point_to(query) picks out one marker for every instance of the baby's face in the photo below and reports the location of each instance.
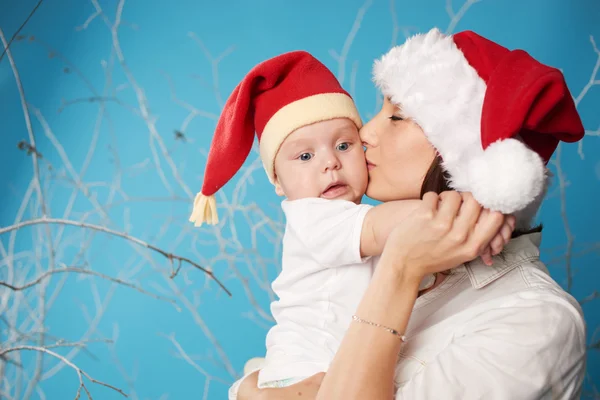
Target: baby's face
(325, 159)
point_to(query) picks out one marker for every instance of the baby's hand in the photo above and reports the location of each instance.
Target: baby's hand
(499, 241)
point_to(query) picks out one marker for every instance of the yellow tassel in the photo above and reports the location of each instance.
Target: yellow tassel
(205, 210)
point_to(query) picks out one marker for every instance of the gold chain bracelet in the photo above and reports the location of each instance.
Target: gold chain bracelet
(390, 330)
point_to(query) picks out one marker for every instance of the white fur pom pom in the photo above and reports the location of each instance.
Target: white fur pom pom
(507, 177)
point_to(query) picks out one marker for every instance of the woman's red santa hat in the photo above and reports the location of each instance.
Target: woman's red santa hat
(495, 116)
(277, 97)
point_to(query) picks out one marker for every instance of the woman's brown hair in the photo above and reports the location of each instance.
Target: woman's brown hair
(437, 180)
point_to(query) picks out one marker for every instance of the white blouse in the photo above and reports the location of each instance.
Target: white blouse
(505, 332)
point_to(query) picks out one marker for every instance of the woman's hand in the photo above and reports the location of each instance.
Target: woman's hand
(445, 231)
(500, 240)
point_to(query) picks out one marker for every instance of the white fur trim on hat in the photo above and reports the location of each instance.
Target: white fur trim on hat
(303, 112)
(433, 84)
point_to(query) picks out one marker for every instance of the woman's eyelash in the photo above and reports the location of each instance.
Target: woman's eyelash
(396, 118)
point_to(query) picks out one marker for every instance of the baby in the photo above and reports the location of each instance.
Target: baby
(329, 238)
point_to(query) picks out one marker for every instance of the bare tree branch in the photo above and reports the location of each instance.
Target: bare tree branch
(455, 18)
(80, 372)
(86, 272)
(43, 206)
(123, 235)
(343, 55)
(7, 45)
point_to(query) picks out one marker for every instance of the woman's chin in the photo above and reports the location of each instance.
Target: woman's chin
(375, 194)
(385, 192)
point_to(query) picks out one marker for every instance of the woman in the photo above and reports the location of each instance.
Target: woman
(502, 332)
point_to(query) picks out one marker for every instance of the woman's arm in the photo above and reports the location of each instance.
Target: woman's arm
(364, 365)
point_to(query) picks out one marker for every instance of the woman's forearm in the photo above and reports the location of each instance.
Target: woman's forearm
(364, 365)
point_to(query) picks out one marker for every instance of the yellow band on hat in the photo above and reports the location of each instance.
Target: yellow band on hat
(306, 111)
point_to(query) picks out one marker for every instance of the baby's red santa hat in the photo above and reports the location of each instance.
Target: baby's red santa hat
(495, 116)
(274, 99)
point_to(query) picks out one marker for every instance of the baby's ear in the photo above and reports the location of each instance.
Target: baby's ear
(278, 188)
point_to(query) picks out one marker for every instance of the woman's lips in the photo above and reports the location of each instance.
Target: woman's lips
(370, 165)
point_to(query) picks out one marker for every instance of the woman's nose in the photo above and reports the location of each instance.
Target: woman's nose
(367, 134)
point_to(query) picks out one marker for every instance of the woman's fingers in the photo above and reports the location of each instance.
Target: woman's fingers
(468, 215)
(486, 256)
(511, 222)
(486, 228)
(506, 231)
(431, 201)
(447, 230)
(497, 243)
(503, 236)
(448, 207)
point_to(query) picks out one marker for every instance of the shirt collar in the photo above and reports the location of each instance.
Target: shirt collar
(516, 252)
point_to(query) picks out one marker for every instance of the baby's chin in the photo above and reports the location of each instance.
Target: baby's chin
(350, 195)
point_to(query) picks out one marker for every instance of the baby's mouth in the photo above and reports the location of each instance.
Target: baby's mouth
(335, 189)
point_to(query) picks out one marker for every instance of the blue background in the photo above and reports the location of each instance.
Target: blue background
(106, 103)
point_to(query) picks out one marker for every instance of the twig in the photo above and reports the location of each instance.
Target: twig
(455, 18)
(214, 61)
(562, 179)
(145, 110)
(188, 359)
(41, 312)
(7, 45)
(209, 335)
(85, 272)
(169, 256)
(341, 58)
(591, 82)
(591, 297)
(80, 372)
(563, 183)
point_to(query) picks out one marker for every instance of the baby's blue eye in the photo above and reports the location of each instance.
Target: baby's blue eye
(305, 156)
(343, 146)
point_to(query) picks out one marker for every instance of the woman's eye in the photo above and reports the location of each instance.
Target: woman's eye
(343, 146)
(396, 118)
(305, 156)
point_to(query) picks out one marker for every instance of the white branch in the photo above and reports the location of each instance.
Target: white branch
(455, 18)
(341, 58)
(84, 272)
(80, 372)
(593, 81)
(99, 228)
